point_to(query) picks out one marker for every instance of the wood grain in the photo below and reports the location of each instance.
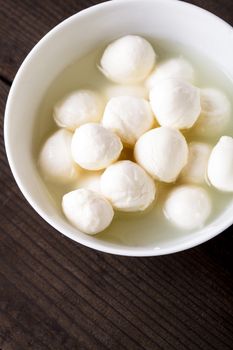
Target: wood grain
(56, 294)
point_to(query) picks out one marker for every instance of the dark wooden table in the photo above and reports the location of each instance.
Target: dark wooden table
(55, 294)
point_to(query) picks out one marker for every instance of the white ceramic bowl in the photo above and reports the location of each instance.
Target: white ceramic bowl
(75, 37)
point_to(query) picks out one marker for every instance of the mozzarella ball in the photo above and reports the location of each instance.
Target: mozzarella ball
(127, 186)
(188, 207)
(162, 152)
(215, 112)
(125, 90)
(128, 60)
(77, 108)
(175, 103)
(93, 147)
(87, 210)
(172, 68)
(129, 117)
(196, 168)
(55, 160)
(220, 165)
(89, 180)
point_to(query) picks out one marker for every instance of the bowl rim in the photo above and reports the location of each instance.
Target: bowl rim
(97, 245)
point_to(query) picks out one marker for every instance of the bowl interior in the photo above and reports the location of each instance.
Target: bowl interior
(74, 38)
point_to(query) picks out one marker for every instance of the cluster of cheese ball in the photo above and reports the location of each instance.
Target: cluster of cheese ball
(148, 106)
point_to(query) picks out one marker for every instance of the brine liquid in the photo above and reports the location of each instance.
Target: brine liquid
(151, 227)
